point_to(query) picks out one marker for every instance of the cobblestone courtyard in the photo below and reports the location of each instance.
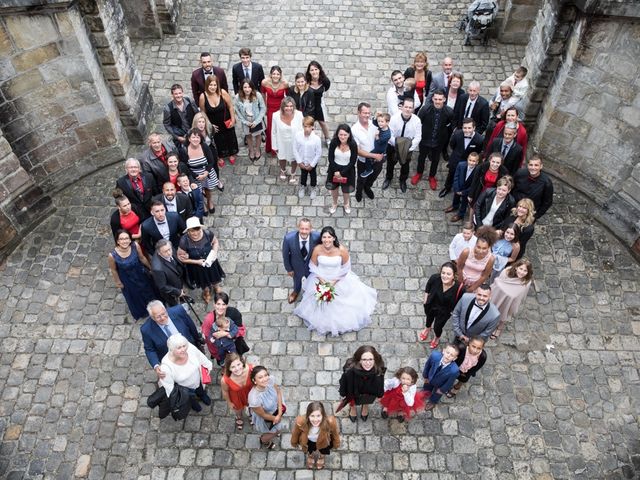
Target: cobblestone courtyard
(558, 398)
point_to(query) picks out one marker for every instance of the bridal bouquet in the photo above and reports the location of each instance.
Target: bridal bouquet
(325, 292)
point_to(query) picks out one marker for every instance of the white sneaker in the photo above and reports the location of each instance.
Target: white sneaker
(313, 193)
(301, 192)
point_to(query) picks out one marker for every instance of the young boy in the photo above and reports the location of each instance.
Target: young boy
(464, 239)
(224, 344)
(193, 192)
(307, 149)
(462, 180)
(382, 140)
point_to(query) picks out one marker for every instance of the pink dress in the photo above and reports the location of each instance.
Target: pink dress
(473, 268)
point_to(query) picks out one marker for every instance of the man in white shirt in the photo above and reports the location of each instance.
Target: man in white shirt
(403, 124)
(397, 93)
(364, 133)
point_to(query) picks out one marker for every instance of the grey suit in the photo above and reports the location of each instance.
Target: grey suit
(437, 83)
(292, 258)
(484, 324)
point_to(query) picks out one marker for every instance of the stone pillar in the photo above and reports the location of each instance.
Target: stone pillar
(108, 32)
(518, 20)
(141, 18)
(168, 13)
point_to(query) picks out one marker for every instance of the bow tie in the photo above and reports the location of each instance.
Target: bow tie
(161, 223)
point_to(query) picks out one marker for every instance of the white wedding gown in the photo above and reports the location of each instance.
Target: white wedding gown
(349, 311)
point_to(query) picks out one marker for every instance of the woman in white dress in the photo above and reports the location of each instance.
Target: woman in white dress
(285, 123)
(354, 302)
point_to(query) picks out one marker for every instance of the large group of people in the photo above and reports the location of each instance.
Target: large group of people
(163, 249)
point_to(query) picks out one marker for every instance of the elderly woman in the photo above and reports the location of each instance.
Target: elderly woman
(494, 204)
(250, 111)
(267, 406)
(221, 309)
(509, 291)
(198, 250)
(183, 366)
(285, 124)
(362, 381)
(130, 271)
(126, 217)
(316, 433)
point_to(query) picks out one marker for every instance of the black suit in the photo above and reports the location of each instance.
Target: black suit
(429, 145)
(183, 204)
(151, 234)
(168, 277)
(141, 201)
(237, 75)
(459, 153)
(514, 155)
(479, 113)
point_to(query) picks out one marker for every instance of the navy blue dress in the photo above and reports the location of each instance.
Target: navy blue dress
(137, 289)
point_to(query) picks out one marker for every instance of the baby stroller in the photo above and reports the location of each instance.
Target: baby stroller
(480, 16)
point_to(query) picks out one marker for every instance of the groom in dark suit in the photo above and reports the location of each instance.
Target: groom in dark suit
(161, 224)
(475, 315)
(296, 253)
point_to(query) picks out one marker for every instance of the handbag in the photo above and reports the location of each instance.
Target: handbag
(339, 180)
(269, 422)
(205, 375)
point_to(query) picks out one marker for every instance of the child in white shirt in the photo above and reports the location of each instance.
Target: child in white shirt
(307, 149)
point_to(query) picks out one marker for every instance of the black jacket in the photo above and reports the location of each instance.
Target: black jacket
(483, 205)
(173, 121)
(361, 385)
(178, 403)
(427, 117)
(183, 204)
(478, 179)
(539, 190)
(514, 155)
(141, 202)
(168, 278)
(479, 113)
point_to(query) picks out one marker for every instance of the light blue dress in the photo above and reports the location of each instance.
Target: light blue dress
(268, 400)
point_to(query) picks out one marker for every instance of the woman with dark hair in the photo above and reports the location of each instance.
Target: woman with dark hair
(318, 84)
(267, 406)
(362, 381)
(316, 433)
(334, 299)
(440, 297)
(304, 98)
(510, 290)
(222, 309)
(274, 89)
(250, 111)
(236, 385)
(201, 159)
(130, 271)
(471, 359)
(126, 217)
(343, 153)
(216, 103)
(476, 264)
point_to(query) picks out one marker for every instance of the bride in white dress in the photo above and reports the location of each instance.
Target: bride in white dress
(354, 302)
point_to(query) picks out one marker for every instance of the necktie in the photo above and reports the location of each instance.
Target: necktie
(246, 72)
(303, 250)
(468, 110)
(505, 149)
(136, 185)
(166, 330)
(404, 125)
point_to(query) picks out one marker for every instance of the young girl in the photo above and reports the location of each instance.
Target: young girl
(267, 406)
(236, 385)
(250, 110)
(401, 395)
(307, 150)
(316, 433)
(462, 240)
(471, 359)
(506, 249)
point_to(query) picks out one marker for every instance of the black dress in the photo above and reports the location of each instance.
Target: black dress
(440, 304)
(525, 233)
(361, 387)
(202, 277)
(304, 102)
(225, 140)
(318, 104)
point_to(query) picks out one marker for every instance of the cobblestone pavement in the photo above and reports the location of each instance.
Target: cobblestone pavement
(557, 399)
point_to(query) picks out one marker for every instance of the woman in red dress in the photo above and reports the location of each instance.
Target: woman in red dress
(125, 217)
(236, 385)
(421, 76)
(401, 396)
(510, 116)
(274, 89)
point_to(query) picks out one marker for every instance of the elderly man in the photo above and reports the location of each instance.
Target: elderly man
(475, 315)
(167, 272)
(440, 80)
(161, 324)
(138, 187)
(472, 105)
(154, 159)
(510, 150)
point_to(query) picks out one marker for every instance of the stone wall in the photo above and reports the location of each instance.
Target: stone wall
(586, 106)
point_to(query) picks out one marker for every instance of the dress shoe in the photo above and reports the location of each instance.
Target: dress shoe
(416, 178)
(403, 186)
(443, 192)
(386, 183)
(364, 417)
(449, 210)
(455, 218)
(195, 405)
(206, 399)
(292, 297)
(433, 183)
(369, 193)
(358, 196)
(353, 418)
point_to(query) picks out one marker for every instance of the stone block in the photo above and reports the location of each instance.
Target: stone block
(74, 69)
(36, 57)
(30, 31)
(6, 70)
(6, 48)
(630, 115)
(21, 84)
